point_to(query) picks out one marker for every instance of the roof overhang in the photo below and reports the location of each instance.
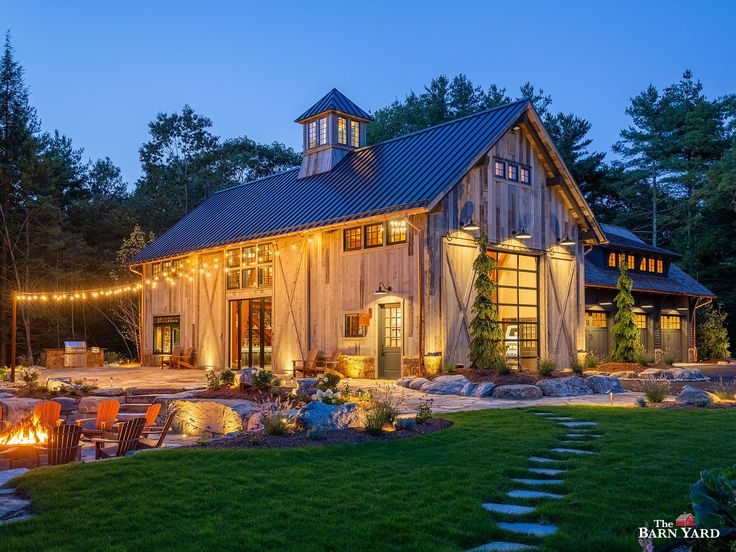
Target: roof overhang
(653, 291)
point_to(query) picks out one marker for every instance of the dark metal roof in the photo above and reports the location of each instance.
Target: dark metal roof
(621, 238)
(676, 281)
(396, 175)
(334, 100)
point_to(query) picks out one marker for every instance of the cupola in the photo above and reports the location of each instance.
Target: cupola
(331, 128)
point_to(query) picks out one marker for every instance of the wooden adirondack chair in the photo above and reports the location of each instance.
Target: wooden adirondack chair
(332, 362)
(49, 413)
(187, 360)
(104, 421)
(63, 445)
(121, 443)
(307, 365)
(171, 361)
(151, 415)
(146, 442)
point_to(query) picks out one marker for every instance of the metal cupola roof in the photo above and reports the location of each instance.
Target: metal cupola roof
(334, 100)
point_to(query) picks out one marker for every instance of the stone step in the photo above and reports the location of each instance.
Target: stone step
(511, 509)
(15, 519)
(134, 407)
(154, 390)
(547, 471)
(536, 529)
(520, 493)
(12, 506)
(573, 441)
(543, 413)
(572, 451)
(7, 475)
(578, 424)
(583, 436)
(501, 546)
(538, 481)
(543, 460)
(561, 418)
(148, 399)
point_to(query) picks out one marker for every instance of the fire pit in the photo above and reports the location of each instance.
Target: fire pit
(18, 446)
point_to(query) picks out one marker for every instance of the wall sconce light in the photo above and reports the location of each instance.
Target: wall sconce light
(567, 240)
(682, 308)
(382, 289)
(606, 303)
(522, 234)
(470, 226)
(647, 306)
(515, 129)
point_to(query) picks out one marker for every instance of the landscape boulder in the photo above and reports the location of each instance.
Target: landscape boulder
(306, 387)
(625, 374)
(517, 392)
(655, 373)
(405, 381)
(58, 384)
(446, 385)
(604, 384)
(108, 392)
(418, 383)
(564, 387)
(13, 409)
(166, 400)
(691, 396)
(244, 377)
(327, 417)
(686, 374)
(468, 389)
(68, 404)
(89, 405)
(484, 389)
(211, 417)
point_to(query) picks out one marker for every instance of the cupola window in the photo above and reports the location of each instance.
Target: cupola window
(342, 130)
(312, 130)
(355, 133)
(323, 131)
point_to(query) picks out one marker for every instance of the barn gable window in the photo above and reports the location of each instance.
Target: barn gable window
(250, 266)
(524, 175)
(352, 238)
(374, 235)
(396, 231)
(512, 172)
(499, 168)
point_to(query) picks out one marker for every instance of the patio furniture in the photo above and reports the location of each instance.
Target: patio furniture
(171, 361)
(332, 362)
(63, 445)
(306, 365)
(107, 411)
(151, 415)
(112, 445)
(187, 360)
(49, 413)
(146, 442)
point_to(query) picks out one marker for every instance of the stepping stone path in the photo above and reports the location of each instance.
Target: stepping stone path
(511, 509)
(12, 507)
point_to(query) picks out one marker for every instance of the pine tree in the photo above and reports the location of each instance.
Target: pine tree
(626, 342)
(486, 342)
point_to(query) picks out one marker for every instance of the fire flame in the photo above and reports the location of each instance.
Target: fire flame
(26, 431)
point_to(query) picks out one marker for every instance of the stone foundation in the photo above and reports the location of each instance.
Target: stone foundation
(357, 366)
(410, 365)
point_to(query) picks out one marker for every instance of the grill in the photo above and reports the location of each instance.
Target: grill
(75, 354)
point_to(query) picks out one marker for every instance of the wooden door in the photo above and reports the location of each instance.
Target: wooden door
(596, 333)
(672, 336)
(390, 339)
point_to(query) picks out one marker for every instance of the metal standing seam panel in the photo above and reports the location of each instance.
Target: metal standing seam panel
(409, 170)
(334, 100)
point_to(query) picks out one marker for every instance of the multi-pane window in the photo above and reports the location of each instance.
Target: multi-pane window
(312, 134)
(265, 253)
(166, 334)
(512, 172)
(355, 133)
(166, 269)
(352, 326)
(232, 258)
(249, 255)
(342, 130)
(641, 321)
(524, 175)
(352, 238)
(630, 262)
(660, 266)
(233, 279)
(595, 319)
(249, 277)
(156, 271)
(323, 131)
(177, 267)
(651, 265)
(374, 235)
(265, 276)
(671, 322)
(499, 168)
(612, 259)
(396, 231)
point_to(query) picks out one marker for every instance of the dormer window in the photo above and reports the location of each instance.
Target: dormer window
(342, 130)
(355, 133)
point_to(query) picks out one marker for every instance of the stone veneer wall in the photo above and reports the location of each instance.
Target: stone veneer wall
(357, 366)
(410, 365)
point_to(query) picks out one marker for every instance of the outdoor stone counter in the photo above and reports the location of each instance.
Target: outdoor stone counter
(432, 365)
(357, 366)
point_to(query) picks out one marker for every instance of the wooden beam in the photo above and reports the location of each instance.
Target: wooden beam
(589, 235)
(554, 181)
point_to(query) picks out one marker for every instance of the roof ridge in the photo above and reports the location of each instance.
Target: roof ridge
(255, 180)
(415, 132)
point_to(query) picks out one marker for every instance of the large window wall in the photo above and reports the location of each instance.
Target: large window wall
(517, 300)
(250, 333)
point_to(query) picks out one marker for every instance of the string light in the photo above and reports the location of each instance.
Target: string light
(77, 295)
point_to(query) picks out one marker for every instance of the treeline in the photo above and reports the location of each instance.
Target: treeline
(67, 222)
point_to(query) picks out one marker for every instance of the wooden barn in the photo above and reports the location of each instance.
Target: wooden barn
(368, 250)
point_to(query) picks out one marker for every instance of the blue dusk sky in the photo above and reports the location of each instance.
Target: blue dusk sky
(100, 71)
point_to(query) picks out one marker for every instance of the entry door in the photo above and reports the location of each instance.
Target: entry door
(250, 333)
(672, 336)
(390, 339)
(596, 333)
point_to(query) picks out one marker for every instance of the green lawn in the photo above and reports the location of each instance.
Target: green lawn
(415, 494)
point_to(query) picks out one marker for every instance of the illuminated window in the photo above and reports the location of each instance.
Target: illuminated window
(499, 168)
(233, 279)
(265, 275)
(249, 277)
(166, 334)
(355, 133)
(156, 271)
(524, 175)
(312, 134)
(249, 255)
(232, 258)
(612, 259)
(621, 259)
(323, 131)
(353, 327)
(671, 322)
(396, 231)
(166, 268)
(352, 238)
(643, 264)
(595, 319)
(641, 321)
(342, 130)
(512, 172)
(650, 261)
(374, 235)
(660, 266)
(265, 253)
(630, 262)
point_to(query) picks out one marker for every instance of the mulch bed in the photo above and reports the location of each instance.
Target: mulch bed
(514, 378)
(261, 439)
(609, 367)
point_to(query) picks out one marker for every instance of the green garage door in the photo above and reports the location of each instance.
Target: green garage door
(596, 333)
